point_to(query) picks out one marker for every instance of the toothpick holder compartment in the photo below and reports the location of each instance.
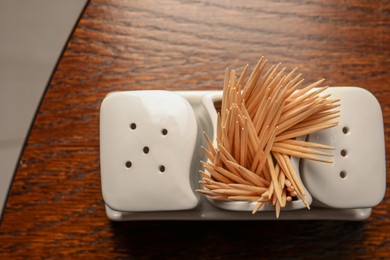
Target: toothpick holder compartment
(151, 152)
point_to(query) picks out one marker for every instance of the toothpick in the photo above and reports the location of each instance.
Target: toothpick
(206, 192)
(271, 75)
(277, 209)
(278, 191)
(289, 76)
(309, 96)
(299, 154)
(243, 75)
(291, 177)
(219, 125)
(252, 177)
(225, 140)
(310, 122)
(204, 175)
(237, 145)
(281, 176)
(284, 198)
(299, 149)
(308, 88)
(215, 174)
(296, 86)
(257, 207)
(276, 82)
(230, 175)
(208, 186)
(208, 154)
(209, 144)
(221, 185)
(255, 189)
(267, 151)
(289, 134)
(307, 144)
(220, 197)
(234, 192)
(299, 187)
(253, 78)
(243, 148)
(217, 158)
(243, 198)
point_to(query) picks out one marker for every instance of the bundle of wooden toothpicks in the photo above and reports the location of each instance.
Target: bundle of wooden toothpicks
(260, 123)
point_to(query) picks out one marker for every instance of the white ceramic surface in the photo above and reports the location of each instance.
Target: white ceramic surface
(148, 141)
(357, 176)
(358, 108)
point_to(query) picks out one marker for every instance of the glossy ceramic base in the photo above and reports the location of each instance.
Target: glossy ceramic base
(172, 196)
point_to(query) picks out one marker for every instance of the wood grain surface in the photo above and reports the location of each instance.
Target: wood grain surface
(55, 208)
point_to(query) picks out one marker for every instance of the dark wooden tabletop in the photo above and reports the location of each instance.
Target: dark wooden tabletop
(55, 206)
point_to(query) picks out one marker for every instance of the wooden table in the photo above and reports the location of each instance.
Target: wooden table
(55, 207)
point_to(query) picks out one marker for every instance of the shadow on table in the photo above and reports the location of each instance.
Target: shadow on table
(239, 239)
